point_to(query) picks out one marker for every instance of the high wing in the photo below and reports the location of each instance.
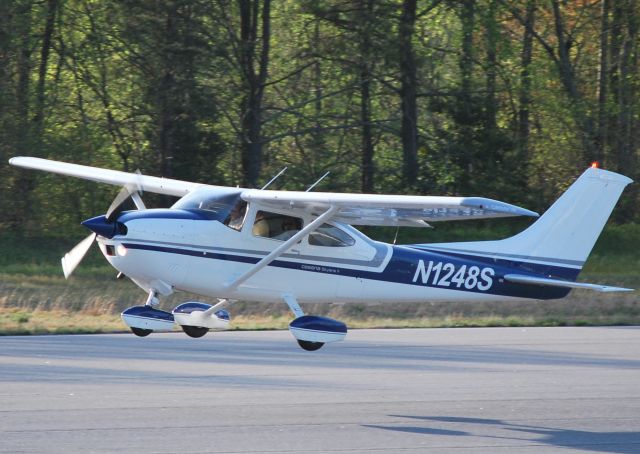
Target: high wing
(355, 209)
(385, 210)
(145, 183)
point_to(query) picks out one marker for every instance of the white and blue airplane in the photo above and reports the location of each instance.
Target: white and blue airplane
(301, 247)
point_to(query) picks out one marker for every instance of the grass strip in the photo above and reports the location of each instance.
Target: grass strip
(23, 322)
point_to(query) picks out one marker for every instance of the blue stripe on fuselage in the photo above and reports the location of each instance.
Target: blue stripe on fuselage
(403, 265)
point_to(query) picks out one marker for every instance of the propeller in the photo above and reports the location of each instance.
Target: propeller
(128, 190)
(72, 259)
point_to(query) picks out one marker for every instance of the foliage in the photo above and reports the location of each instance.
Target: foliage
(509, 100)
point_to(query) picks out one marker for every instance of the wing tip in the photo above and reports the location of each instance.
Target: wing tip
(497, 206)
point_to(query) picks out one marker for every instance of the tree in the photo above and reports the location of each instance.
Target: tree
(408, 91)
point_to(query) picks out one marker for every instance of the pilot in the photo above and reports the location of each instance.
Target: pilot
(236, 217)
(261, 226)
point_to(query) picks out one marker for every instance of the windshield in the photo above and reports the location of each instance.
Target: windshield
(217, 203)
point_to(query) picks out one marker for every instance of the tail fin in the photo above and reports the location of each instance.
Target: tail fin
(566, 232)
(569, 229)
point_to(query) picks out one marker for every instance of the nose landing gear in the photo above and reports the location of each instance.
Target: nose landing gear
(143, 320)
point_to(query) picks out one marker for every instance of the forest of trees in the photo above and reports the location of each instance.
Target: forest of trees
(508, 99)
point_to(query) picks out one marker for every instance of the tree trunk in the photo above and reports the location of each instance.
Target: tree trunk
(582, 118)
(367, 139)
(19, 218)
(166, 92)
(409, 127)
(365, 97)
(601, 139)
(251, 105)
(52, 6)
(317, 136)
(465, 153)
(628, 85)
(491, 104)
(525, 84)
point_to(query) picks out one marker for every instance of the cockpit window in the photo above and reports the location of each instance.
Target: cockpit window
(330, 236)
(216, 203)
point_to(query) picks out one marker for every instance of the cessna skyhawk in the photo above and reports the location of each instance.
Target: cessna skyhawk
(301, 247)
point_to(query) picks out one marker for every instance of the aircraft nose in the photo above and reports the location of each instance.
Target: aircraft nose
(102, 227)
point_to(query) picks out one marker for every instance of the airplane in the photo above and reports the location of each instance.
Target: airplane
(302, 247)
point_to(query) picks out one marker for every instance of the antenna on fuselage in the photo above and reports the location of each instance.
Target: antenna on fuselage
(273, 179)
(318, 181)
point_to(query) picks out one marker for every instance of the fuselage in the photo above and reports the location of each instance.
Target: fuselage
(186, 250)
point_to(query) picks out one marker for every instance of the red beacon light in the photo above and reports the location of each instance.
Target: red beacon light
(595, 165)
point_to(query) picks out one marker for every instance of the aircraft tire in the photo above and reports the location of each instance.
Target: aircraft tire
(310, 346)
(194, 331)
(141, 332)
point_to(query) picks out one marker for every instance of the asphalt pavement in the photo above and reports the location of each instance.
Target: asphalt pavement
(503, 390)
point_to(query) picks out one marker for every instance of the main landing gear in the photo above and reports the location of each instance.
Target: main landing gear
(310, 346)
(141, 332)
(311, 331)
(194, 331)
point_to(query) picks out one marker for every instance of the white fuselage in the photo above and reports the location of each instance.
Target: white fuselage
(203, 257)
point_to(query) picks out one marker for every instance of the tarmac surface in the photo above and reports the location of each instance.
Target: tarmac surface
(504, 390)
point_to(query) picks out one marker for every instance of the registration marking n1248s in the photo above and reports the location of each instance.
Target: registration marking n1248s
(446, 274)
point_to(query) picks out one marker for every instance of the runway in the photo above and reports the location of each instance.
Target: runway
(504, 390)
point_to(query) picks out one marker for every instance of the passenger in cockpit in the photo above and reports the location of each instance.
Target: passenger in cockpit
(236, 217)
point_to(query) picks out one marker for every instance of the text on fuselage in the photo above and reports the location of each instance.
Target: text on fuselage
(448, 275)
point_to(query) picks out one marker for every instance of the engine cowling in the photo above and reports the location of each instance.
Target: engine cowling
(194, 313)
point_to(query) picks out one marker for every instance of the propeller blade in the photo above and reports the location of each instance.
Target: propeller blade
(115, 207)
(73, 258)
(129, 190)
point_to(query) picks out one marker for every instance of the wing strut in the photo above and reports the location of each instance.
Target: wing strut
(277, 252)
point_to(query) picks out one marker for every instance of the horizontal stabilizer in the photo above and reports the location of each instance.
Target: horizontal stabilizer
(521, 279)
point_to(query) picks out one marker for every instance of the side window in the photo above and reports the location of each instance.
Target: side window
(330, 236)
(276, 226)
(235, 220)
